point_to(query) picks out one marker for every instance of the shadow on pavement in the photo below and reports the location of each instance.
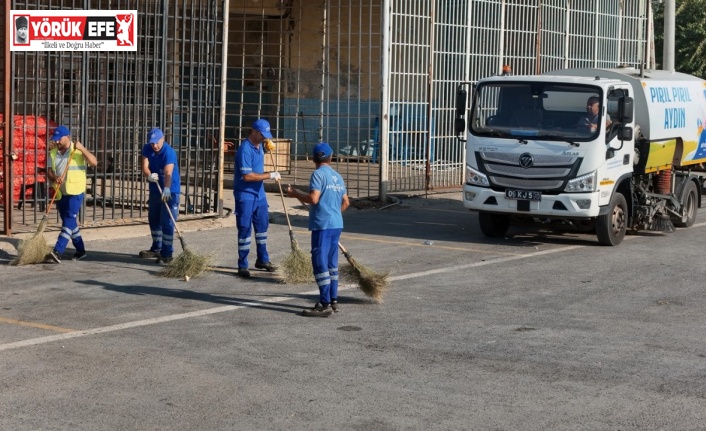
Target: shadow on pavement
(204, 297)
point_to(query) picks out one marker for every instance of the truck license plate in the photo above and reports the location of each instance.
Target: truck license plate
(523, 194)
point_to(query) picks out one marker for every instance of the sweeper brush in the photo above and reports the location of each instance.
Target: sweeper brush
(32, 250)
(297, 265)
(35, 249)
(373, 284)
(188, 264)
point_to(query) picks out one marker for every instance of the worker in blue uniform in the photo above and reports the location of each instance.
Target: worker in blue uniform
(160, 166)
(327, 199)
(251, 209)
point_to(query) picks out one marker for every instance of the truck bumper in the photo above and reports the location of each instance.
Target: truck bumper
(565, 205)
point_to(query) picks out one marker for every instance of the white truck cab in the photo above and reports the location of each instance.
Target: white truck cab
(584, 148)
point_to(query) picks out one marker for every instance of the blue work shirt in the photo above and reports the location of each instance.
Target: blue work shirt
(327, 213)
(248, 159)
(157, 162)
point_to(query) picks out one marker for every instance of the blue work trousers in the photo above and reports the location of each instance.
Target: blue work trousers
(251, 214)
(69, 207)
(161, 225)
(324, 259)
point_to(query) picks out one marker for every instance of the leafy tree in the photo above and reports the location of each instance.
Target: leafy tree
(689, 38)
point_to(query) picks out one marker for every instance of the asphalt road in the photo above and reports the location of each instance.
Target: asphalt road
(537, 331)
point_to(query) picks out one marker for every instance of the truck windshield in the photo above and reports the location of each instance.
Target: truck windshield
(551, 111)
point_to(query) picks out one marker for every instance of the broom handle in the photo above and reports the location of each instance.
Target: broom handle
(345, 252)
(281, 193)
(169, 211)
(56, 186)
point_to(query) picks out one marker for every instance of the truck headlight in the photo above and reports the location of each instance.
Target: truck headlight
(583, 184)
(476, 178)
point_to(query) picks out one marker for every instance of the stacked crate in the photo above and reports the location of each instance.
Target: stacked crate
(28, 156)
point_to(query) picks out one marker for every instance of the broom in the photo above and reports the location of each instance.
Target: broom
(297, 265)
(35, 249)
(188, 264)
(372, 284)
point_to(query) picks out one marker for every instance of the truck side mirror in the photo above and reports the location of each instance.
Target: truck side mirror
(461, 100)
(459, 126)
(621, 109)
(626, 111)
(625, 133)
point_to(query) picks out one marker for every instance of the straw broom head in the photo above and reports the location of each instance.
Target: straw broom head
(297, 266)
(33, 250)
(373, 284)
(187, 264)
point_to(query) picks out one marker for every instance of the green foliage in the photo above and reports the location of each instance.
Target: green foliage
(689, 38)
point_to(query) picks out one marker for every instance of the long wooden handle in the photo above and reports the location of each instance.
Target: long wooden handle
(63, 176)
(169, 211)
(281, 193)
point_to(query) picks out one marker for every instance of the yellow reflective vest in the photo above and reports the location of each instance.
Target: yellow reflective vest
(76, 176)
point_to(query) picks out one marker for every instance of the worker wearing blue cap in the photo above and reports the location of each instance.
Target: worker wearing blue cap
(67, 172)
(160, 166)
(327, 199)
(251, 209)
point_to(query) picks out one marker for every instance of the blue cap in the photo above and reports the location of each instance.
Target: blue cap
(154, 135)
(263, 127)
(60, 132)
(322, 149)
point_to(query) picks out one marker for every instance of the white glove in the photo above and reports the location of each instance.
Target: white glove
(166, 195)
(275, 176)
(153, 178)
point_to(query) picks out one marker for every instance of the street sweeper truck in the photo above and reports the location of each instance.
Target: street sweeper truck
(610, 150)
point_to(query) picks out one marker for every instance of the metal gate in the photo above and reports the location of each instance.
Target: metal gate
(111, 99)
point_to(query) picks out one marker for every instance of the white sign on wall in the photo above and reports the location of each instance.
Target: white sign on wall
(73, 30)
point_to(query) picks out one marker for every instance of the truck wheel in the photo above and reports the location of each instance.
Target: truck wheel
(690, 204)
(494, 225)
(611, 227)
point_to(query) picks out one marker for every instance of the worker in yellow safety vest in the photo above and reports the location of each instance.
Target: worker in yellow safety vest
(67, 172)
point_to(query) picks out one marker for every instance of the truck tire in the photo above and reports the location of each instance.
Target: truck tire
(494, 225)
(611, 227)
(690, 205)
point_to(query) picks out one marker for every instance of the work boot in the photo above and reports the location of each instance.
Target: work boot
(267, 266)
(334, 306)
(167, 259)
(80, 255)
(53, 256)
(243, 273)
(319, 310)
(148, 254)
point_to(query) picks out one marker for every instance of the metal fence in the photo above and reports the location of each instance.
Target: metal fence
(110, 100)
(435, 45)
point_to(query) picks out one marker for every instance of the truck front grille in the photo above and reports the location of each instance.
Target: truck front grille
(545, 173)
